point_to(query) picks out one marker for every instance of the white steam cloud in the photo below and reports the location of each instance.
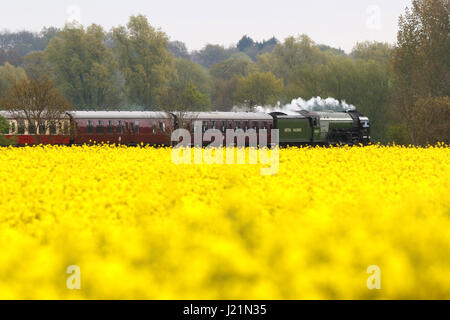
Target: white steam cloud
(314, 104)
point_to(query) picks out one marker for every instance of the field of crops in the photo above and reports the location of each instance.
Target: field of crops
(138, 226)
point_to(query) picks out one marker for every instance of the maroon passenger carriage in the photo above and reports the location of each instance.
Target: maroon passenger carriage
(133, 127)
(121, 127)
(225, 121)
(24, 132)
(155, 128)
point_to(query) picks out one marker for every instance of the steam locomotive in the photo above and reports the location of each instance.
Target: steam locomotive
(155, 128)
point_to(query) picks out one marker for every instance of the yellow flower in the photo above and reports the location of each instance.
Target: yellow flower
(141, 227)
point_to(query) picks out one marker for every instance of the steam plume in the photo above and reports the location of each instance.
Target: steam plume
(314, 104)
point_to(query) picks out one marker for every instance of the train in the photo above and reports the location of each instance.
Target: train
(155, 127)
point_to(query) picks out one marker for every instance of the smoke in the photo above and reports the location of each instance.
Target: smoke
(315, 104)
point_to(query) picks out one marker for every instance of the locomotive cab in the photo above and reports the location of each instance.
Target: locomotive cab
(365, 129)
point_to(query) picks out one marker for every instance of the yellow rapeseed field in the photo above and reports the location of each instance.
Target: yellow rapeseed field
(140, 227)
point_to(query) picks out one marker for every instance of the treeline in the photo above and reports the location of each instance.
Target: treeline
(404, 89)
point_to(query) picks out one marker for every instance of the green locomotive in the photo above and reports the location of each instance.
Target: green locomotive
(322, 127)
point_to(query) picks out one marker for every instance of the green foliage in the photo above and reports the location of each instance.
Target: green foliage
(223, 93)
(239, 64)
(193, 100)
(288, 59)
(258, 89)
(4, 125)
(144, 61)
(10, 74)
(421, 64)
(15, 45)
(36, 65)
(178, 49)
(83, 67)
(371, 50)
(4, 129)
(211, 54)
(397, 133)
(188, 71)
(252, 48)
(325, 48)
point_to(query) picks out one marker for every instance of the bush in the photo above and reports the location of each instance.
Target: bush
(4, 129)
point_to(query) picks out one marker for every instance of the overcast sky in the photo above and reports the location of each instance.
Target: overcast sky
(339, 23)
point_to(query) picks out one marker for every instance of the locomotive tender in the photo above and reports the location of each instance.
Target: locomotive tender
(155, 128)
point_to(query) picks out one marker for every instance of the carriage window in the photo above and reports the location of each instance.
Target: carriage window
(90, 127)
(247, 125)
(136, 126)
(60, 127)
(31, 128)
(52, 127)
(255, 125)
(119, 126)
(162, 127)
(12, 127)
(100, 128)
(264, 126)
(21, 127)
(110, 127)
(154, 127)
(213, 125)
(65, 127)
(42, 128)
(224, 126)
(205, 126)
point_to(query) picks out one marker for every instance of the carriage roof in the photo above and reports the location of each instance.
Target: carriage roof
(119, 115)
(227, 116)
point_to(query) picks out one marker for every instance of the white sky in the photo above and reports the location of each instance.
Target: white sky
(339, 23)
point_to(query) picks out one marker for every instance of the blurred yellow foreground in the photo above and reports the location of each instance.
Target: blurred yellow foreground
(140, 227)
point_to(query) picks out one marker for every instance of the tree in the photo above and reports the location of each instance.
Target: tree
(184, 98)
(371, 50)
(15, 45)
(4, 129)
(339, 78)
(8, 75)
(258, 89)
(227, 74)
(181, 101)
(245, 43)
(36, 65)
(178, 49)
(37, 101)
(371, 93)
(239, 64)
(224, 92)
(325, 48)
(299, 62)
(211, 54)
(421, 64)
(193, 100)
(188, 71)
(83, 67)
(432, 120)
(252, 48)
(144, 61)
(10, 56)
(288, 58)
